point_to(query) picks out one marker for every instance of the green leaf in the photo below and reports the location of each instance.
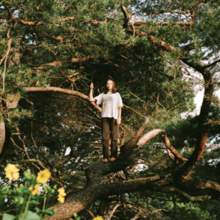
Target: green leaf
(8, 217)
(31, 216)
(34, 202)
(18, 200)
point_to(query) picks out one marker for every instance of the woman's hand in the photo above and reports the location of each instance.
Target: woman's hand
(118, 121)
(91, 86)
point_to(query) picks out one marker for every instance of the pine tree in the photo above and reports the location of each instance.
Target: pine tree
(50, 53)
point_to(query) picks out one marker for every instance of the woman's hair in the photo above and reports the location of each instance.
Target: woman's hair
(114, 90)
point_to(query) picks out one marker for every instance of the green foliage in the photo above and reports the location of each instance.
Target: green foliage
(25, 200)
(187, 211)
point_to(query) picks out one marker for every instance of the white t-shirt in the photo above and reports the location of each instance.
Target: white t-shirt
(110, 104)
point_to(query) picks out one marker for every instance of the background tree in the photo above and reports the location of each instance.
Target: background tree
(52, 50)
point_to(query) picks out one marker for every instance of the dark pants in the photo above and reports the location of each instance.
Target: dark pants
(109, 129)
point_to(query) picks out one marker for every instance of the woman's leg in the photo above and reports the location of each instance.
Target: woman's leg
(114, 137)
(105, 125)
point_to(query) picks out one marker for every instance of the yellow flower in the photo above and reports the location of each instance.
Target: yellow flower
(61, 195)
(35, 189)
(61, 199)
(43, 176)
(61, 191)
(98, 218)
(11, 172)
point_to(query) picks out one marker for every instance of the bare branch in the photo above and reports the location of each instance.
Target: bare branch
(172, 149)
(66, 91)
(148, 136)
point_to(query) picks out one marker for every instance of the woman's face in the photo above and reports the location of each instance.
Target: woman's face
(109, 84)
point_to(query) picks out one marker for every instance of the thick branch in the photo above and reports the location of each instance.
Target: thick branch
(203, 128)
(66, 91)
(148, 136)
(76, 202)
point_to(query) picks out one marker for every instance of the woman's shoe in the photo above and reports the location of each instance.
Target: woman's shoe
(112, 159)
(105, 160)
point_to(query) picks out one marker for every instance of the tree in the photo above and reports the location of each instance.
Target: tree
(52, 50)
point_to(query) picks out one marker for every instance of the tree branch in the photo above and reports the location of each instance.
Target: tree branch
(148, 136)
(66, 91)
(172, 149)
(184, 194)
(203, 128)
(6, 57)
(212, 64)
(126, 15)
(190, 23)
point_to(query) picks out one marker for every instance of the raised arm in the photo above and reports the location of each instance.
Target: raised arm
(91, 93)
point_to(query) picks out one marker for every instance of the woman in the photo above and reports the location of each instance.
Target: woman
(110, 118)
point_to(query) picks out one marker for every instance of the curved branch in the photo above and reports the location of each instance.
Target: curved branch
(212, 64)
(148, 136)
(66, 91)
(172, 149)
(203, 128)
